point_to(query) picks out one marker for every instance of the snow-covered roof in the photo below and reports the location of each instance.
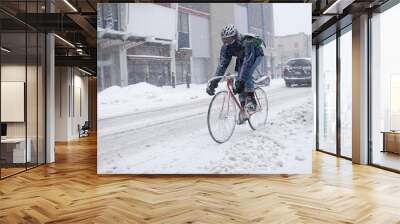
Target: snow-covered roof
(149, 57)
(123, 35)
(116, 34)
(292, 59)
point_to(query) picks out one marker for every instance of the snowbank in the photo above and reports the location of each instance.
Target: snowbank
(117, 101)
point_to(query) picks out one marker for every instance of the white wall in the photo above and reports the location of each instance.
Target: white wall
(12, 101)
(79, 118)
(13, 73)
(62, 81)
(69, 85)
(147, 19)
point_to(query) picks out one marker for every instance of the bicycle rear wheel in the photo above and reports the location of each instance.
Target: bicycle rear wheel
(259, 118)
(221, 117)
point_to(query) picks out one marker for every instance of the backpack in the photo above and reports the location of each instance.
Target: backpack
(253, 38)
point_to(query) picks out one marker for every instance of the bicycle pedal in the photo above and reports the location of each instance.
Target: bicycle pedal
(241, 121)
(243, 117)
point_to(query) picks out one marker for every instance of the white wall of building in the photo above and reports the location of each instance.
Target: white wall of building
(152, 20)
(200, 70)
(199, 30)
(241, 19)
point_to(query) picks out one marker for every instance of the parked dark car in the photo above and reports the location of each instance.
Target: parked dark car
(297, 72)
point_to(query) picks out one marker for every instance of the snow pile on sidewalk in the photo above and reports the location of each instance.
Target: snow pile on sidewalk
(116, 101)
(284, 146)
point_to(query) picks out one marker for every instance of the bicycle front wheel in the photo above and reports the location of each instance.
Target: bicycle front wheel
(221, 118)
(259, 118)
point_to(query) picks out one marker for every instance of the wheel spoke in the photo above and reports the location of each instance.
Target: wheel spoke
(220, 120)
(259, 118)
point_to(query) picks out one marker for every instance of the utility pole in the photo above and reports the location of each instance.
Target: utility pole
(173, 47)
(173, 64)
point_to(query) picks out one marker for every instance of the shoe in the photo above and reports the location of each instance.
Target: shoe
(251, 104)
(243, 117)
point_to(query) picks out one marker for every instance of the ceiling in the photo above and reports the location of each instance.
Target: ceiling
(330, 15)
(75, 21)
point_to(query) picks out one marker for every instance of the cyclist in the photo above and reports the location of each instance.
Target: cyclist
(249, 53)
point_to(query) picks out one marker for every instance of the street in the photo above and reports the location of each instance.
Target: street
(175, 139)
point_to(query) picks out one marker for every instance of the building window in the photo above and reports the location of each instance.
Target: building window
(385, 89)
(327, 96)
(346, 94)
(183, 30)
(108, 16)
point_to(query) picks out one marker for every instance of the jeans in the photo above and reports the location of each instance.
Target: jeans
(248, 81)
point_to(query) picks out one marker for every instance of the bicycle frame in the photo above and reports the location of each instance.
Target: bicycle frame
(229, 84)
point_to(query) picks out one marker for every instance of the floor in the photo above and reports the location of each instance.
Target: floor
(387, 159)
(10, 171)
(70, 191)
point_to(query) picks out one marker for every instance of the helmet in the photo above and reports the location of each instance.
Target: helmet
(229, 31)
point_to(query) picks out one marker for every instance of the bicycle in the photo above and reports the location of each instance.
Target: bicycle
(222, 111)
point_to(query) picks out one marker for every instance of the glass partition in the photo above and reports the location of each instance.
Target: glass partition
(327, 96)
(13, 105)
(31, 100)
(22, 88)
(41, 96)
(346, 92)
(385, 89)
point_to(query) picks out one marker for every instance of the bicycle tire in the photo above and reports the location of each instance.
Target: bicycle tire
(210, 123)
(258, 92)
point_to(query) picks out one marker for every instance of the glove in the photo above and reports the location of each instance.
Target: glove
(211, 87)
(239, 86)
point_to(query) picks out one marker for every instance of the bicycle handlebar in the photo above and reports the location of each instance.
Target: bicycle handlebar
(224, 77)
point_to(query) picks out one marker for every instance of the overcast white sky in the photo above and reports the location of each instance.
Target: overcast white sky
(292, 18)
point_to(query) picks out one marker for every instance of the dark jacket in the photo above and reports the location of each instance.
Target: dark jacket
(246, 52)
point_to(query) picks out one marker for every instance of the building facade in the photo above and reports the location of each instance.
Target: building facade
(183, 48)
(291, 46)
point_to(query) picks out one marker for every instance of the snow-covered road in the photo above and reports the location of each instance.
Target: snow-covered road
(175, 139)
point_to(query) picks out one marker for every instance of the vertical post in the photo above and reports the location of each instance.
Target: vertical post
(338, 81)
(174, 47)
(173, 65)
(369, 89)
(360, 90)
(123, 65)
(188, 79)
(50, 99)
(147, 76)
(316, 97)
